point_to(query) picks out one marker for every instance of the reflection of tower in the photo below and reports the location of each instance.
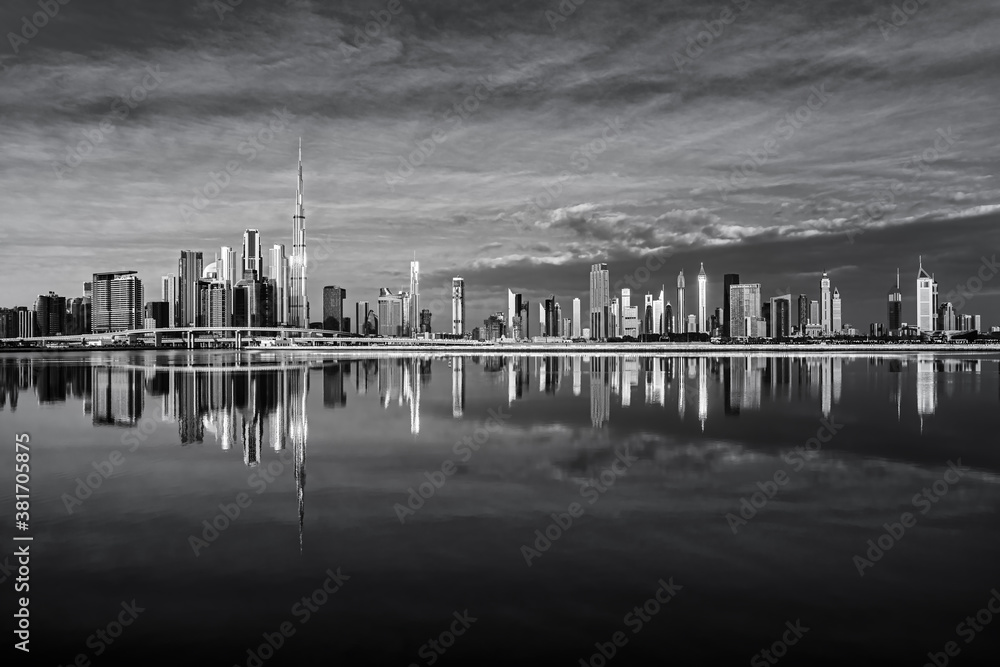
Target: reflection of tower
(681, 381)
(630, 378)
(896, 386)
(298, 389)
(457, 386)
(577, 375)
(926, 387)
(411, 388)
(600, 391)
(333, 385)
(826, 385)
(702, 391)
(837, 364)
(118, 395)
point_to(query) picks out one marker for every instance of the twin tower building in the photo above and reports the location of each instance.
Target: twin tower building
(235, 290)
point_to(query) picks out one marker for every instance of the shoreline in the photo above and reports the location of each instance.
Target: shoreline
(500, 349)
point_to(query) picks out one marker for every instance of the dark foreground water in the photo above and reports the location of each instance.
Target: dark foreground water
(506, 510)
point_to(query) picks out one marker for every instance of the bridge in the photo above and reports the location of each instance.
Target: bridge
(189, 337)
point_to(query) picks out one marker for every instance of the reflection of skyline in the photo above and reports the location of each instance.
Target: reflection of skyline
(249, 406)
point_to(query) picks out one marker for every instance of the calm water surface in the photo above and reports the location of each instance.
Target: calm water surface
(425, 479)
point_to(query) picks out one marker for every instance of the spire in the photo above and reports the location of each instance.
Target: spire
(702, 272)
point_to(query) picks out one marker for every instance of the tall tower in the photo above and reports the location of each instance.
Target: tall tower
(895, 307)
(168, 287)
(837, 318)
(227, 266)
(458, 306)
(600, 301)
(728, 280)
(189, 269)
(681, 311)
(298, 302)
(253, 255)
(414, 315)
(702, 299)
(825, 304)
(278, 275)
(927, 296)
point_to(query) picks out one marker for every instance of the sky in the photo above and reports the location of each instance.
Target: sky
(513, 143)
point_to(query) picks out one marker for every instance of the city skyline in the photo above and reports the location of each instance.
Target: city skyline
(648, 190)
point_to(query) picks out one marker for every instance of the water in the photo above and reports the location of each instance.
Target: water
(322, 453)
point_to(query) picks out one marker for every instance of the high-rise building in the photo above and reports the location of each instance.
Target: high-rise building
(458, 306)
(600, 301)
(361, 310)
(702, 299)
(895, 308)
(513, 322)
(744, 309)
(803, 313)
(577, 324)
(229, 269)
(156, 312)
(550, 317)
(629, 315)
(25, 322)
(390, 313)
(248, 309)
(279, 278)
(927, 299)
(728, 280)
(218, 300)
(814, 313)
(189, 270)
(88, 289)
(717, 328)
(298, 300)
(253, 255)
(425, 322)
(658, 312)
(837, 321)
(681, 311)
(168, 293)
(946, 319)
(414, 305)
(614, 319)
(668, 318)
(118, 303)
(780, 321)
(50, 314)
(541, 318)
(825, 304)
(334, 298)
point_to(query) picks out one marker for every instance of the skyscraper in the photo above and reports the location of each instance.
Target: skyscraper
(681, 312)
(600, 301)
(458, 306)
(168, 291)
(803, 313)
(361, 309)
(298, 301)
(50, 314)
(825, 304)
(658, 311)
(927, 297)
(189, 269)
(228, 270)
(253, 257)
(278, 277)
(118, 303)
(414, 318)
(577, 324)
(728, 280)
(333, 308)
(513, 311)
(744, 309)
(895, 308)
(702, 299)
(837, 318)
(814, 312)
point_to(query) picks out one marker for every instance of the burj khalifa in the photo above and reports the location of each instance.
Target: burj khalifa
(298, 301)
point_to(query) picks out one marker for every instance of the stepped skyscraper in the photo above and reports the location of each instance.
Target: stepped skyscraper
(298, 302)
